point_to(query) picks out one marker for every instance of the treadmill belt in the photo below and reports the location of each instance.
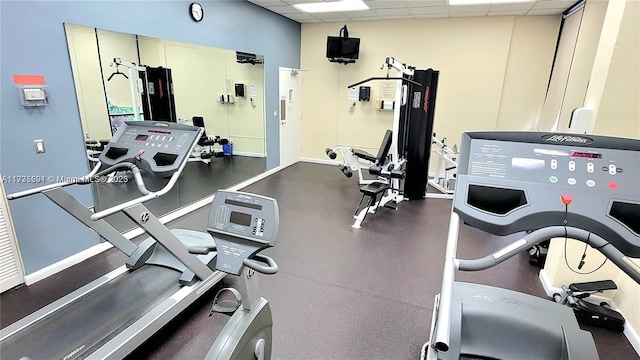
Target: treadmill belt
(94, 318)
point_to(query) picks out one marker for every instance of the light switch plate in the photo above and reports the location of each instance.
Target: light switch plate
(39, 146)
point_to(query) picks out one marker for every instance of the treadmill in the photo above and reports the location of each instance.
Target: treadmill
(550, 185)
(111, 316)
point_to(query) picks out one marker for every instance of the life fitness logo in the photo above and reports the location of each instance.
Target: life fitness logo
(567, 139)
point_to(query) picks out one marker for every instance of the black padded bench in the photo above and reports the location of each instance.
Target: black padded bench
(375, 188)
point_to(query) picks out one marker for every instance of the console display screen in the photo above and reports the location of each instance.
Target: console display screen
(586, 155)
(527, 164)
(240, 218)
(142, 137)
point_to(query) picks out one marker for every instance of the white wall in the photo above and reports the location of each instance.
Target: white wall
(493, 75)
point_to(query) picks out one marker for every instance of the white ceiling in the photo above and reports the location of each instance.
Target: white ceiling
(414, 9)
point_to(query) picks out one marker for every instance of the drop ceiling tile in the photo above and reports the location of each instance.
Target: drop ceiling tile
(367, 18)
(553, 4)
(397, 17)
(291, 2)
(507, 12)
(264, 3)
(469, 9)
(467, 14)
(545, 12)
(512, 6)
(331, 17)
(386, 4)
(431, 16)
(287, 9)
(429, 10)
(300, 16)
(359, 14)
(421, 3)
(393, 12)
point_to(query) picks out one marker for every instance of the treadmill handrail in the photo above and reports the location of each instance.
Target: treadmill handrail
(149, 196)
(605, 247)
(442, 330)
(40, 189)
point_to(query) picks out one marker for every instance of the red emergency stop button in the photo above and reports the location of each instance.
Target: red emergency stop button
(613, 185)
(566, 199)
(141, 152)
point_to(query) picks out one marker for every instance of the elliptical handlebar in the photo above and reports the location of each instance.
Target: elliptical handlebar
(270, 269)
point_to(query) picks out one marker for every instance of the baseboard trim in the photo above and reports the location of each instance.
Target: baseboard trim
(104, 246)
(629, 331)
(320, 161)
(248, 154)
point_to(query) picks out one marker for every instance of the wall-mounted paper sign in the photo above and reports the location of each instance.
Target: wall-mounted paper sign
(353, 93)
(387, 90)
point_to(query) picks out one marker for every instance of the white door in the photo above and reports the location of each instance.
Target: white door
(11, 273)
(290, 113)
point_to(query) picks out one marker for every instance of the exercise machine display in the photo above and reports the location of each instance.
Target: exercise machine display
(242, 225)
(586, 312)
(204, 149)
(113, 315)
(583, 187)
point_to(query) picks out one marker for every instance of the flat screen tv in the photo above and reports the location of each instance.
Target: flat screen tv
(342, 48)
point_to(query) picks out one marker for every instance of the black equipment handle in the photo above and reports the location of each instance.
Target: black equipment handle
(270, 269)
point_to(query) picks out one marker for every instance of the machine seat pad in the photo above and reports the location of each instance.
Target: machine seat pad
(374, 188)
(364, 155)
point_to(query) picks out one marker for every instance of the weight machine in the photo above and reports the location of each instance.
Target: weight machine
(135, 82)
(403, 171)
(204, 149)
(154, 85)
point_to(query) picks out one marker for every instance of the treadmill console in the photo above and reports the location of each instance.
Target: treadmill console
(242, 224)
(162, 146)
(515, 181)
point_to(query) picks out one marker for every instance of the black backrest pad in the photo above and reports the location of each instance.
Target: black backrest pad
(383, 151)
(509, 182)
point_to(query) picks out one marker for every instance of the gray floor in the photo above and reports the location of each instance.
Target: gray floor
(340, 293)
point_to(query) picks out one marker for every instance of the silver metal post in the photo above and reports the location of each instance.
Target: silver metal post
(249, 288)
(440, 338)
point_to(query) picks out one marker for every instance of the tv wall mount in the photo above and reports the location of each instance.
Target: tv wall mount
(344, 33)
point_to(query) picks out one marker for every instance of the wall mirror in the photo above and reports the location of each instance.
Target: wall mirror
(219, 86)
